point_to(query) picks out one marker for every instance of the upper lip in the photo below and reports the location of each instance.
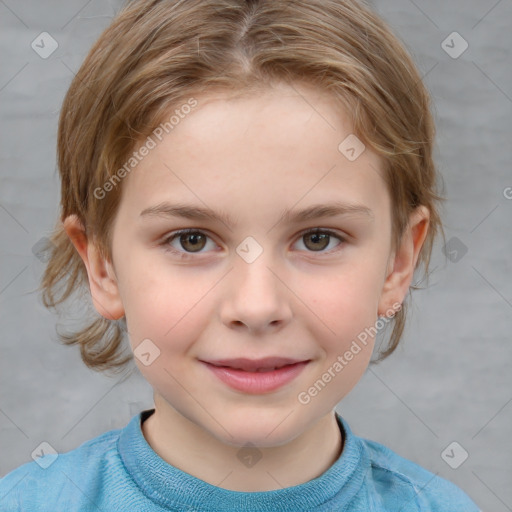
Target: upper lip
(249, 365)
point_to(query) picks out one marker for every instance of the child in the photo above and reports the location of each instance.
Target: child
(254, 130)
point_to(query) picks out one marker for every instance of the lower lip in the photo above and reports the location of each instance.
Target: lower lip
(257, 382)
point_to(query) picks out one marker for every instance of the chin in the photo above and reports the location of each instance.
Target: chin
(261, 429)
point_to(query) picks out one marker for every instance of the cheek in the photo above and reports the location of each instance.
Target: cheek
(168, 309)
(172, 306)
(172, 312)
(343, 303)
(344, 309)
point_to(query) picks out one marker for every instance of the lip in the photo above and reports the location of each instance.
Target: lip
(256, 382)
(251, 365)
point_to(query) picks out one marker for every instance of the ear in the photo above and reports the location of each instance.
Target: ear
(401, 265)
(102, 279)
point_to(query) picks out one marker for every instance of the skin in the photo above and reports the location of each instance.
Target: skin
(251, 157)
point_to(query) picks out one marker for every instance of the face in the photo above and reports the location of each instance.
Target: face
(255, 284)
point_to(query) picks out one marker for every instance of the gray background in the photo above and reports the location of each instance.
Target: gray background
(450, 379)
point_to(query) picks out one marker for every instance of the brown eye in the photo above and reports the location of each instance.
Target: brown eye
(189, 241)
(186, 242)
(316, 241)
(192, 242)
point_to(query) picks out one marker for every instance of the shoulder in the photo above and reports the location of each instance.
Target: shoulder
(398, 480)
(49, 480)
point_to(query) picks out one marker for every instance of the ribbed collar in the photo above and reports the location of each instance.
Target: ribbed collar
(170, 487)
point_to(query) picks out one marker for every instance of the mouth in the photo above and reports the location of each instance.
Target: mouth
(267, 364)
(253, 378)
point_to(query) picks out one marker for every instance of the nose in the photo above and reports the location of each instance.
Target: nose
(256, 298)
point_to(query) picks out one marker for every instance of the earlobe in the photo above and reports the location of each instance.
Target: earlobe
(404, 261)
(103, 287)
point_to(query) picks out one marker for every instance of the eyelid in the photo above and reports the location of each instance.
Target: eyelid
(329, 231)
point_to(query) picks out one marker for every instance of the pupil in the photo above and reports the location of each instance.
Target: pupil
(319, 237)
(192, 239)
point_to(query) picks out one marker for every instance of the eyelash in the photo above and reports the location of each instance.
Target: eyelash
(186, 255)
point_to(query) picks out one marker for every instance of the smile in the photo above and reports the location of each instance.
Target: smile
(258, 381)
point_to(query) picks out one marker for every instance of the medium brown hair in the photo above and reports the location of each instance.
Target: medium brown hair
(156, 54)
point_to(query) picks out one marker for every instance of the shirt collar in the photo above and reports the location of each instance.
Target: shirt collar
(171, 487)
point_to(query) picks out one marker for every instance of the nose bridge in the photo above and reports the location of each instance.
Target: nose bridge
(256, 297)
(253, 266)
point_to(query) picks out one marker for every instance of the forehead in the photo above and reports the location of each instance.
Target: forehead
(281, 145)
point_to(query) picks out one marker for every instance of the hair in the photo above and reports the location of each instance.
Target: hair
(156, 54)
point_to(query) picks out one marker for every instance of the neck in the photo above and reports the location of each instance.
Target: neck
(190, 448)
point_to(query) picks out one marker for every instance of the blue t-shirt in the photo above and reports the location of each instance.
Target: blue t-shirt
(119, 471)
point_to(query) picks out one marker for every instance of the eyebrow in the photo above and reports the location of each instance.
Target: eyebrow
(316, 211)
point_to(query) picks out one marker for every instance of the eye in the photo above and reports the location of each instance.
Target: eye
(318, 239)
(190, 239)
(193, 241)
